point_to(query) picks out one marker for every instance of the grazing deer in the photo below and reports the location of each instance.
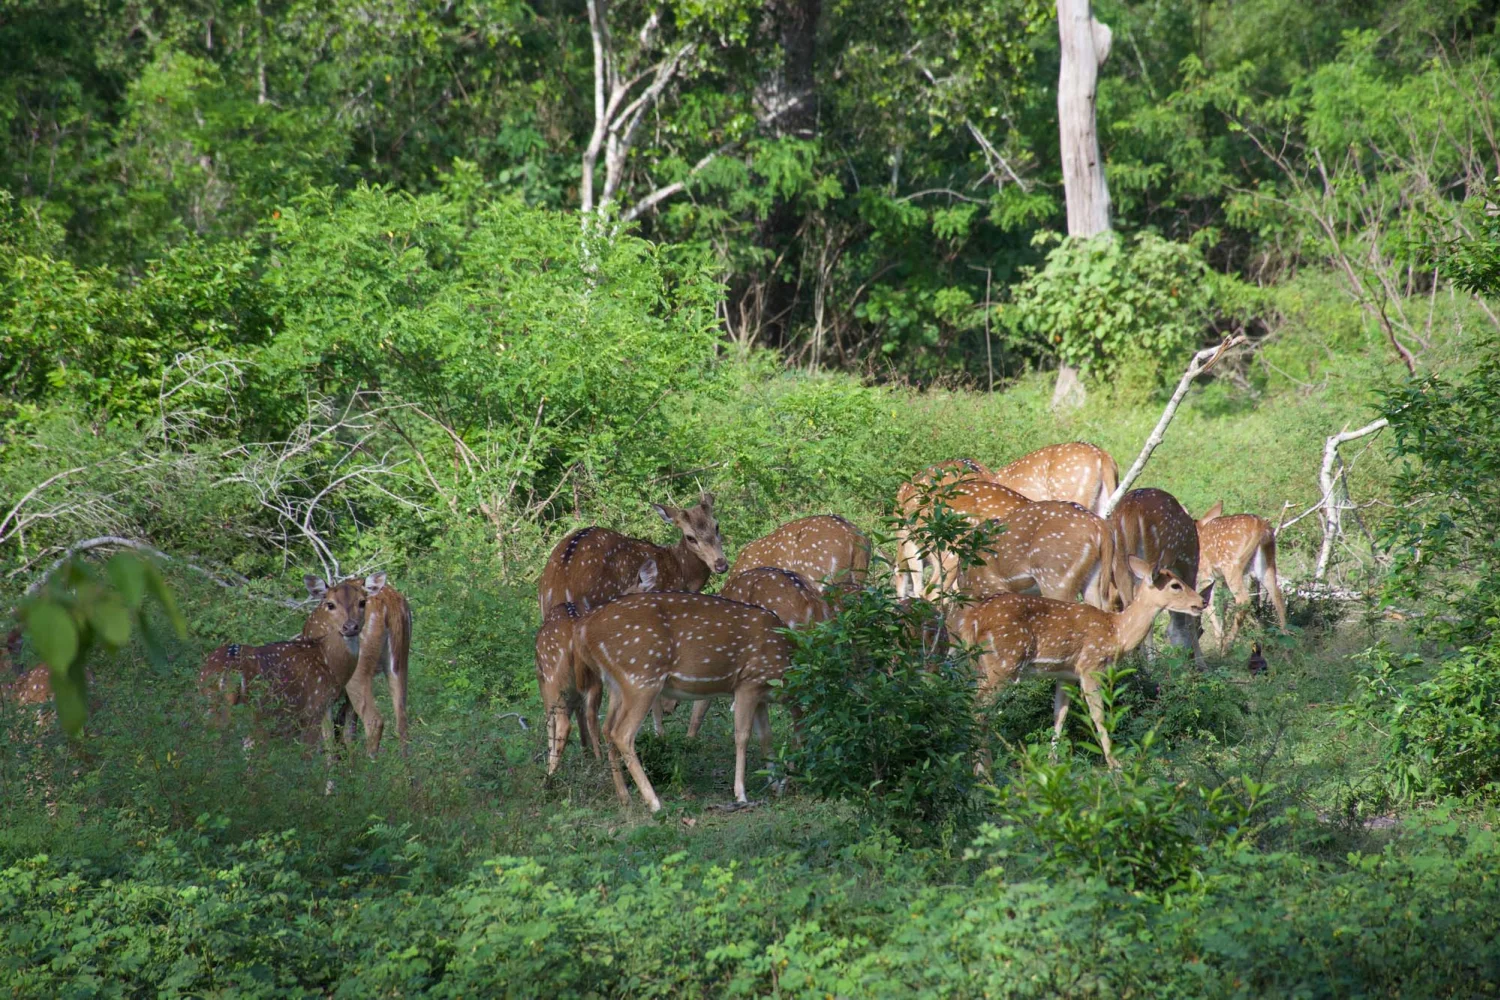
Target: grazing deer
(384, 647)
(960, 489)
(1232, 547)
(1075, 471)
(787, 595)
(1017, 633)
(826, 549)
(34, 687)
(686, 646)
(303, 677)
(567, 688)
(1061, 550)
(594, 565)
(1153, 525)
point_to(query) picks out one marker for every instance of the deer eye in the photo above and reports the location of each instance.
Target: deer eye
(361, 603)
(1176, 586)
(330, 606)
(690, 538)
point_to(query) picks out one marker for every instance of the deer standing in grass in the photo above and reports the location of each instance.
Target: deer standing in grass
(825, 549)
(594, 565)
(1075, 471)
(1018, 634)
(384, 648)
(1154, 526)
(293, 684)
(685, 646)
(959, 489)
(567, 687)
(1059, 549)
(1232, 547)
(789, 596)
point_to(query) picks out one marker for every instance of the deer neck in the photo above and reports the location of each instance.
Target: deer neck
(688, 572)
(339, 652)
(1134, 623)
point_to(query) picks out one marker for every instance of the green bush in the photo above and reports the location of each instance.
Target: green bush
(1443, 733)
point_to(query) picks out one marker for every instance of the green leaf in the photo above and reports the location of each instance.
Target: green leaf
(129, 577)
(111, 620)
(53, 632)
(158, 589)
(70, 693)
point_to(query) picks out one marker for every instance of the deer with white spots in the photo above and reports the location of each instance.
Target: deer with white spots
(1154, 526)
(1233, 547)
(293, 684)
(384, 648)
(567, 687)
(1058, 549)
(685, 646)
(825, 550)
(788, 595)
(960, 486)
(1017, 634)
(1076, 471)
(594, 565)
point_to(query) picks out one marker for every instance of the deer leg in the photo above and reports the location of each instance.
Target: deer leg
(622, 737)
(1059, 714)
(610, 718)
(762, 726)
(908, 566)
(1090, 684)
(558, 725)
(588, 720)
(361, 692)
(744, 718)
(1241, 592)
(398, 697)
(656, 716)
(695, 721)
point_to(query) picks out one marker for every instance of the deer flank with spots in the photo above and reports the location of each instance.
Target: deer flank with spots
(1058, 549)
(1232, 547)
(1154, 526)
(1076, 471)
(825, 550)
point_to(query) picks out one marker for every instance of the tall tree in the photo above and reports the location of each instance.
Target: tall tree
(1085, 46)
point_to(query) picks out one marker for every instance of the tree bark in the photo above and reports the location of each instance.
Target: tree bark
(1085, 46)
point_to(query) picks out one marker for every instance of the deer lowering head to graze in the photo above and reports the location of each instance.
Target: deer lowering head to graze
(787, 595)
(1075, 471)
(1154, 526)
(567, 687)
(1234, 546)
(1017, 633)
(684, 646)
(34, 687)
(826, 549)
(291, 685)
(594, 565)
(977, 499)
(384, 648)
(1057, 549)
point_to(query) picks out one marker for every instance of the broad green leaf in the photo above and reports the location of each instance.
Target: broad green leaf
(70, 692)
(53, 632)
(111, 620)
(158, 589)
(129, 577)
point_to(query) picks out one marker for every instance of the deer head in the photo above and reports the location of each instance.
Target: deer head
(1161, 588)
(700, 531)
(341, 608)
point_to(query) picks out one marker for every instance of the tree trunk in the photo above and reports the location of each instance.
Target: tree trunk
(786, 106)
(1085, 46)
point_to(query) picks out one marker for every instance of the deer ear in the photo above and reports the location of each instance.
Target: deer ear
(1139, 568)
(646, 578)
(706, 501)
(665, 513)
(1212, 512)
(375, 583)
(1207, 593)
(315, 585)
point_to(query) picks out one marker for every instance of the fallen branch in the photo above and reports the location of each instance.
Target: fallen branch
(1202, 362)
(1333, 506)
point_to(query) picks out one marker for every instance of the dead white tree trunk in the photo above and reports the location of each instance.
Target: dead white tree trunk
(1202, 362)
(1335, 488)
(1085, 46)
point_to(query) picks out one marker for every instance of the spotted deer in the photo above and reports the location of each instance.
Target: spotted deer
(569, 689)
(594, 565)
(1075, 471)
(789, 596)
(961, 490)
(825, 549)
(293, 684)
(1060, 550)
(384, 648)
(1153, 525)
(1018, 633)
(685, 646)
(1231, 547)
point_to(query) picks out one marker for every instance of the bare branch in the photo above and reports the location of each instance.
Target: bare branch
(1335, 503)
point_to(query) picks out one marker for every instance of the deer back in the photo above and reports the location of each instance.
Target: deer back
(687, 645)
(1154, 527)
(786, 594)
(823, 549)
(938, 475)
(1076, 471)
(1227, 544)
(1057, 547)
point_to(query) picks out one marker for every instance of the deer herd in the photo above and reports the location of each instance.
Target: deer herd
(1062, 586)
